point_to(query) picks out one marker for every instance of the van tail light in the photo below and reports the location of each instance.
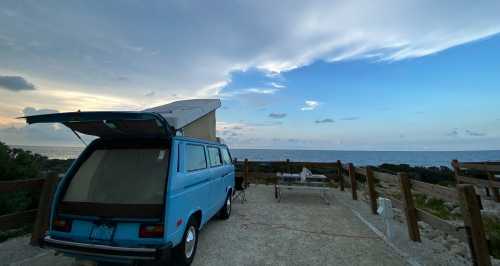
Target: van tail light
(63, 225)
(151, 230)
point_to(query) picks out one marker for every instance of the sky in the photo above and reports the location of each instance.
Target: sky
(342, 75)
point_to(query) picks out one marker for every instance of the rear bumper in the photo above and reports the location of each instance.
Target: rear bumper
(105, 251)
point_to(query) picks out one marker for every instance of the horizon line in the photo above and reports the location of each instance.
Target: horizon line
(292, 149)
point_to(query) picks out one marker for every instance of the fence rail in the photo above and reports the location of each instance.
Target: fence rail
(484, 166)
(23, 184)
(18, 219)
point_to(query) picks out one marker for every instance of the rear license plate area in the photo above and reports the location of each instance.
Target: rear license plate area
(103, 232)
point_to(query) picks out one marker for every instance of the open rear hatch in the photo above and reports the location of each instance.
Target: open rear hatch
(120, 177)
(110, 124)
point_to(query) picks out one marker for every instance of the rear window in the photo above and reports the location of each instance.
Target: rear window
(121, 176)
(196, 159)
(226, 158)
(214, 155)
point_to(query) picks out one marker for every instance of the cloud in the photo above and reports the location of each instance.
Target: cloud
(452, 133)
(277, 85)
(255, 98)
(304, 32)
(229, 133)
(265, 124)
(277, 115)
(48, 134)
(247, 91)
(310, 105)
(474, 133)
(260, 91)
(150, 94)
(122, 78)
(456, 132)
(33, 111)
(326, 120)
(350, 118)
(15, 83)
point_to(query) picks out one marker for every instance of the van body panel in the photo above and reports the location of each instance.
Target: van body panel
(188, 190)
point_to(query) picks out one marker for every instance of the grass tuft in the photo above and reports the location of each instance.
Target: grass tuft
(435, 207)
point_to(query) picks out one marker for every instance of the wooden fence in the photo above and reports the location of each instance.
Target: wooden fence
(366, 178)
(38, 217)
(487, 168)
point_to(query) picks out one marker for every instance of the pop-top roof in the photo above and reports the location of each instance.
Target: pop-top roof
(182, 113)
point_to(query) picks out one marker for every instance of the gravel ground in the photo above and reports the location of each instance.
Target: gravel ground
(300, 230)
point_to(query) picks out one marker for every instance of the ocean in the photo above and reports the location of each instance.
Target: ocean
(360, 158)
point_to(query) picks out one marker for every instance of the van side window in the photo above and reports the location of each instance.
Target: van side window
(196, 158)
(226, 158)
(214, 155)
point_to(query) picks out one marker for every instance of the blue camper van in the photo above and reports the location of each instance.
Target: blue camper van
(139, 192)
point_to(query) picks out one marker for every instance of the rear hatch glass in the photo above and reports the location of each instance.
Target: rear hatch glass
(118, 183)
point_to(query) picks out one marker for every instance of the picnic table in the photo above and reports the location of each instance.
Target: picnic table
(303, 181)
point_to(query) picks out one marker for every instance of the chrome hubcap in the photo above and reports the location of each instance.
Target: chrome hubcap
(190, 241)
(228, 205)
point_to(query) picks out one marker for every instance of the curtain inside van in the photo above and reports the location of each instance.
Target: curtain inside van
(120, 176)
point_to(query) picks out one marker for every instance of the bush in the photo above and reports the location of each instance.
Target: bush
(492, 230)
(20, 164)
(435, 175)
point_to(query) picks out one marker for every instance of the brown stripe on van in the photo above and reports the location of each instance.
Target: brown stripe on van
(107, 210)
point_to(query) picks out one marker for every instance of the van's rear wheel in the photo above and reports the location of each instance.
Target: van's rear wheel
(185, 251)
(225, 212)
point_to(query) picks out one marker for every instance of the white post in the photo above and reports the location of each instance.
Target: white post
(385, 211)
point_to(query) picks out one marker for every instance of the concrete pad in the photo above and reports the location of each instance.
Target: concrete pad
(300, 230)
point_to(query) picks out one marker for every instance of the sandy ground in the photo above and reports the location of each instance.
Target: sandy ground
(300, 230)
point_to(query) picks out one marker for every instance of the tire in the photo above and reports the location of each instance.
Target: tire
(184, 252)
(225, 211)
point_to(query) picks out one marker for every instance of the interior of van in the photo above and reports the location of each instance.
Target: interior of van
(112, 181)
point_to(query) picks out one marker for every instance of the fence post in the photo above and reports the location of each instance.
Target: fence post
(474, 225)
(496, 195)
(371, 189)
(409, 207)
(340, 173)
(352, 175)
(487, 191)
(456, 169)
(42, 218)
(245, 168)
